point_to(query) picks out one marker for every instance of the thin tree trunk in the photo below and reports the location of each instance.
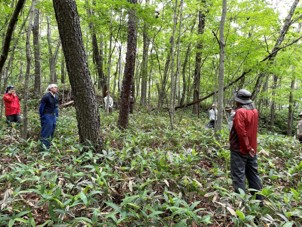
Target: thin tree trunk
(96, 53)
(199, 47)
(9, 33)
(178, 62)
(27, 74)
(129, 69)
(164, 80)
(87, 112)
(291, 101)
(173, 80)
(184, 70)
(218, 126)
(37, 55)
(144, 67)
(52, 56)
(63, 69)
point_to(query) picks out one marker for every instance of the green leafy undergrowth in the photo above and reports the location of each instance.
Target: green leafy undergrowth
(147, 175)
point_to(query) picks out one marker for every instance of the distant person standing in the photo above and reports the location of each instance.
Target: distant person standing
(299, 129)
(243, 144)
(12, 105)
(108, 100)
(212, 116)
(230, 116)
(49, 113)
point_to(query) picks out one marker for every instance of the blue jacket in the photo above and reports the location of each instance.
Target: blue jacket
(49, 105)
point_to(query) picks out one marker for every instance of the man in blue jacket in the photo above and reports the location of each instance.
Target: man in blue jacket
(49, 113)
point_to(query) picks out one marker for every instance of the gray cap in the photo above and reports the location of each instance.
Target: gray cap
(243, 96)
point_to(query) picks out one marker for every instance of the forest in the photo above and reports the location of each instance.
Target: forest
(150, 159)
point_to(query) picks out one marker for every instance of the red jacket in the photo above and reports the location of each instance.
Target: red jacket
(243, 136)
(12, 104)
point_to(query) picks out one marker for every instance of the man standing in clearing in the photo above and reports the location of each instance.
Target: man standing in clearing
(212, 116)
(49, 113)
(243, 144)
(108, 100)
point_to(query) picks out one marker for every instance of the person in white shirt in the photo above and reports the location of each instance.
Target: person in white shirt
(212, 116)
(108, 100)
(230, 116)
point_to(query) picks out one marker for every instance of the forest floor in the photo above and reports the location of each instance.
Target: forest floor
(147, 175)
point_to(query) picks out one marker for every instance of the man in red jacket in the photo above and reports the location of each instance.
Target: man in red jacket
(243, 144)
(12, 105)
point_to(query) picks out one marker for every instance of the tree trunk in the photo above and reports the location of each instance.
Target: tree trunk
(129, 69)
(9, 33)
(52, 56)
(144, 67)
(27, 74)
(37, 55)
(87, 113)
(164, 80)
(196, 83)
(218, 126)
(273, 54)
(63, 69)
(96, 53)
(291, 101)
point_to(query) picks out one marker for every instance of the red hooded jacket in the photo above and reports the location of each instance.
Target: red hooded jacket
(243, 136)
(12, 104)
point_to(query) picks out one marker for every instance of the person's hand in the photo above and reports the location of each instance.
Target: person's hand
(252, 152)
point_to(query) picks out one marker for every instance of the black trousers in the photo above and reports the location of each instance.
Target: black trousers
(245, 166)
(13, 118)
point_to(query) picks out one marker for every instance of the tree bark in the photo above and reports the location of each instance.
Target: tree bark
(196, 83)
(129, 68)
(144, 67)
(271, 57)
(9, 33)
(87, 113)
(27, 74)
(291, 102)
(220, 108)
(52, 56)
(97, 60)
(37, 54)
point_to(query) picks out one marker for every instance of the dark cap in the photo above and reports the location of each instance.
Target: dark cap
(9, 87)
(243, 96)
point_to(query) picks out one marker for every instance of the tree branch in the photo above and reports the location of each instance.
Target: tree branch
(9, 33)
(211, 94)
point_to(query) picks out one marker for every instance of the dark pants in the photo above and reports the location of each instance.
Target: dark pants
(13, 118)
(244, 166)
(48, 124)
(211, 124)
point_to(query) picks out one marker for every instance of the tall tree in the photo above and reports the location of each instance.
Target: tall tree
(97, 58)
(87, 112)
(196, 83)
(221, 67)
(173, 77)
(37, 54)
(9, 33)
(144, 67)
(127, 87)
(27, 74)
(52, 55)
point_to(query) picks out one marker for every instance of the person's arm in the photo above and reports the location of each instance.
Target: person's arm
(42, 106)
(111, 102)
(8, 97)
(19, 108)
(240, 127)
